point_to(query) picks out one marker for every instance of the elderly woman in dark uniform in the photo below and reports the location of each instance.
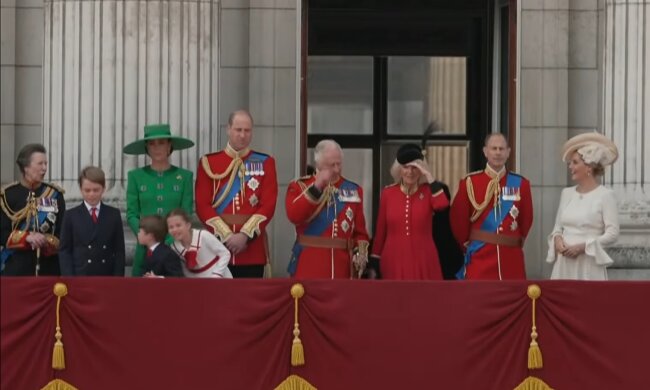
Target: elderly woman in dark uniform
(30, 223)
(159, 187)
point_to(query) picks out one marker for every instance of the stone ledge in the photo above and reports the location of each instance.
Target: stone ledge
(630, 257)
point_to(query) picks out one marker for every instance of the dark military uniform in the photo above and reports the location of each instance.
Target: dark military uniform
(27, 210)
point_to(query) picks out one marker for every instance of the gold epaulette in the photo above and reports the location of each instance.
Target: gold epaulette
(301, 181)
(4, 187)
(56, 187)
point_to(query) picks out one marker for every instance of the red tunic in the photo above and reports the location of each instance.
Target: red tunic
(492, 261)
(303, 209)
(403, 240)
(255, 203)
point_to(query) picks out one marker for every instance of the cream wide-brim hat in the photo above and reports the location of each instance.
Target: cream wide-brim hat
(594, 148)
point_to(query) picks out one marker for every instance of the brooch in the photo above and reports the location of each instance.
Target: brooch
(253, 200)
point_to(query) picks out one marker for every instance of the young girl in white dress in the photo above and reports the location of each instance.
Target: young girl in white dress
(587, 218)
(203, 255)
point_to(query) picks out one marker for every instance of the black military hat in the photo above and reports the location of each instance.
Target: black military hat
(408, 153)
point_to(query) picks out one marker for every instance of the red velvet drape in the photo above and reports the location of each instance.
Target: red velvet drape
(236, 334)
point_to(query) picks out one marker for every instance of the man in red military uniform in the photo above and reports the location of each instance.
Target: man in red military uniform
(491, 215)
(332, 241)
(236, 191)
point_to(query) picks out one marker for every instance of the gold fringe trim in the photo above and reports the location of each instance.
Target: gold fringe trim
(58, 384)
(294, 382)
(297, 351)
(58, 355)
(532, 383)
(535, 360)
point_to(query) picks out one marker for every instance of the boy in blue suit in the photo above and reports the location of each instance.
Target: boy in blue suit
(92, 237)
(160, 260)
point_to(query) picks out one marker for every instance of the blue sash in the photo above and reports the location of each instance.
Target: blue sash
(318, 225)
(236, 184)
(490, 224)
(25, 225)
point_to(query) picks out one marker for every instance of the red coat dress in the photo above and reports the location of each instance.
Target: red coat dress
(225, 207)
(403, 238)
(335, 215)
(492, 261)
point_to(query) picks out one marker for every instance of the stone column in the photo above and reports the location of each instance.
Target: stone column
(110, 67)
(626, 119)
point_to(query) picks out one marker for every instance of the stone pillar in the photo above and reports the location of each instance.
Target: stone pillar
(110, 67)
(626, 119)
(20, 85)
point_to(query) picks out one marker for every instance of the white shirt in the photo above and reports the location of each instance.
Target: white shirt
(90, 208)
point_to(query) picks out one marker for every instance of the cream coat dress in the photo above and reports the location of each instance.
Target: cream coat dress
(590, 218)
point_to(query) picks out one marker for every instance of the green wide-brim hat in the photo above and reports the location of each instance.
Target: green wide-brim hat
(161, 131)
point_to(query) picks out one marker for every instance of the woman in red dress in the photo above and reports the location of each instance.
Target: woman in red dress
(403, 242)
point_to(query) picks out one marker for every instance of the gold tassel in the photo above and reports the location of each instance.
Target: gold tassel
(532, 383)
(297, 352)
(294, 382)
(535, 360)
(58, 384)
(58, 355)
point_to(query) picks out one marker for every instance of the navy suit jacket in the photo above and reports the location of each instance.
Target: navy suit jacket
(92, 249)
(163, 262)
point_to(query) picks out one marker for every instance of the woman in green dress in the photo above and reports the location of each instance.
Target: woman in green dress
(159, 187)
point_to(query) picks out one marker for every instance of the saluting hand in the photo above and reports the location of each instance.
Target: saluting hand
(423, 168)
(323, 178)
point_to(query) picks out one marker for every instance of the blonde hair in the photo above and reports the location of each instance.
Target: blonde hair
(396, 172)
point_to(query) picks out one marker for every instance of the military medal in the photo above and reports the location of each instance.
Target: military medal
(46, 204)
(349, 214)
(253, 184)
(247, 170)
(513, 226)
(51, 217)
(514, 212)
(511, 193)
(345, 226)
(253, 200)
(44, 227)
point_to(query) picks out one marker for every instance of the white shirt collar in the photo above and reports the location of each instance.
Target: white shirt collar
(154, 246)
(89, 207)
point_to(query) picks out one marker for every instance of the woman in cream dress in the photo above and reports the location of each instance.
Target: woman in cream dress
(587, 218)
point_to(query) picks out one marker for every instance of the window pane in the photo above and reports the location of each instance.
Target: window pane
(447, 161)
(339, 95)
(357, 167)
(426, 89)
